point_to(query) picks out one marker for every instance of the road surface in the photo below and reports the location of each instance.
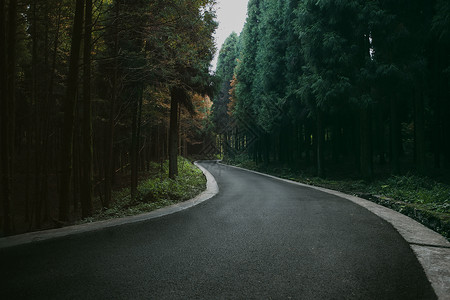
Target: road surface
(259, 238)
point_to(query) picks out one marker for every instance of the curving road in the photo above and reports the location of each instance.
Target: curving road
(259, 238)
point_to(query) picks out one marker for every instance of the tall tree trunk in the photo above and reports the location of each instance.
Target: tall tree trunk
(320, 144)
(86, 193)
(49, 106)
(69, 113)
(175, 93)
(133, 150)
(379, 135)
(4, 152)
(77, 164)
(135, 133)
(139, 127)
(419, 131)
(179, 130)
(109, 145)
(35, 127)
(8, 111)
(395, 136)
(366, 166)
(266, 149)
(309, 141)
(436, 133)
(5, 187)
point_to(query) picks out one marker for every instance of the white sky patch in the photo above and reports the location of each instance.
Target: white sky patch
(231, 15)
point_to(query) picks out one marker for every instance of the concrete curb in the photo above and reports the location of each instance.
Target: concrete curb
(432, 249)
(211, 190)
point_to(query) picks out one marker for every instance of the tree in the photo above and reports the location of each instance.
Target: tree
(69, 113)
(226, 64)
(245, 70)
(325, 82)
(80, 130)
(86, 192)
(113, 95)
(439, 80)
(338, 64)
(4, 151)
(193, 48)
(7, 93)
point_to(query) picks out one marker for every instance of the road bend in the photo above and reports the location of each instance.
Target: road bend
(259, 238)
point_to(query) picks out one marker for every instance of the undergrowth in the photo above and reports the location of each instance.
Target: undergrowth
(155, 192)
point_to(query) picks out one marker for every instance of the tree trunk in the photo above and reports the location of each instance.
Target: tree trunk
(139, 124)
(8, 111)
(310, 141)
(5, 163)
(179, 130)
(135, 136)
(49, 108)
(109, 145)
(86, 193)
(366, 166)
(379, 135)
(133, 149)
(419, 131)
(266, 148)
(69, 114)
(34, 128)
(77, 164)
(395, 136)
(175, 93)
(320, 144)
(109, 153)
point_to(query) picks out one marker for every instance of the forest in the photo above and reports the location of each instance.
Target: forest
(359, 86)
(98, 94)
(347, 95)
(94, 94)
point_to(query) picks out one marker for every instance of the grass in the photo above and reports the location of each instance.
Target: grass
(155, 192)
(419, 197)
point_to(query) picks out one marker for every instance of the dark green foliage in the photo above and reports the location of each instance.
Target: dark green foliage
(344, 81)
(247, 67)
(226, 64)
(345, 87)
(269, 86)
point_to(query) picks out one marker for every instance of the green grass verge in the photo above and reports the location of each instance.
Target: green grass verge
(421, 198)
(155, 192)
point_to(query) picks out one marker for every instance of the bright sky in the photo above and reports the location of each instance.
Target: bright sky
(231, 15)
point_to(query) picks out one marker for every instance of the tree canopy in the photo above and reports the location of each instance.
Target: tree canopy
(325, 82)
(86, 95)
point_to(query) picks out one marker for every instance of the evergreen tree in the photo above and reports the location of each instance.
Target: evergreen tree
(439, 81)
(226, 64)
(246, 70)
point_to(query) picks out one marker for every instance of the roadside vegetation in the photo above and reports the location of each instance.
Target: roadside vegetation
(157, 190)
(423, 198)
(92, 92)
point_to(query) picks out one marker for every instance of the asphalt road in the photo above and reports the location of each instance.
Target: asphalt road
(259, 238)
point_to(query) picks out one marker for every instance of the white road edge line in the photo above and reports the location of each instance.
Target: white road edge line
(434, 260)
(211, 190)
